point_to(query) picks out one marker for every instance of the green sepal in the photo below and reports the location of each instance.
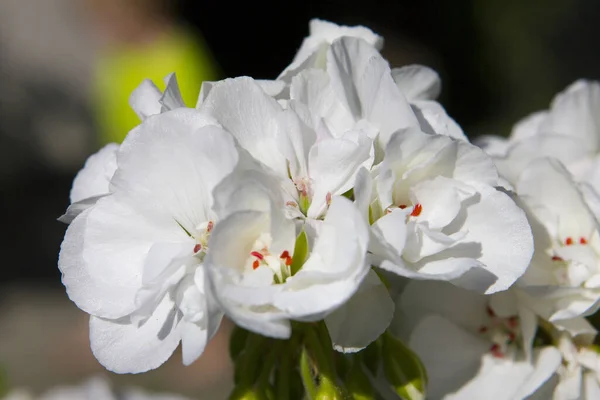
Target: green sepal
(237, 342)
(300, 253)
(357, 382)
(403, 369)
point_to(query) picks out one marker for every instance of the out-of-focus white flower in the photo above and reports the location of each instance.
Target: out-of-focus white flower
(568, 131)
(563, 280)
(437, 214)
(313, 166)
(134, 260)
(473, 346)
(312, 52)
(96, 388)
(252, 257)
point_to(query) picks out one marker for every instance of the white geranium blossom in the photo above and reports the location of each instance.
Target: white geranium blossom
(568, 131)
(252, 251)
(313, 166)
(473, 346)
(134, 260)
(438, 215)
(563, 280)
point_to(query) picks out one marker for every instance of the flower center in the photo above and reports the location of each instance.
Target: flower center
(502, 332)
(261, 255)
(417, 209)
(201, 246)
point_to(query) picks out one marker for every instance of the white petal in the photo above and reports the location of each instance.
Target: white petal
(546, 185)
(528, 126)
(433, 119)
(451, 355)
(171, 98)
(417, 82)
(93, 180)
(363, 81)
(363, 318)
(502, 230)
(126, 347)
(495, 146)
(545, 362)
(591, 386)
(249, 114)
(333, 165)
(193, 341)
(574, 112)
(145, 99)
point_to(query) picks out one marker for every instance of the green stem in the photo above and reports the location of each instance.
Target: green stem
(307, 375)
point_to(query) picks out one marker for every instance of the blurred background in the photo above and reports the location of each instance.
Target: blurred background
(67, 68)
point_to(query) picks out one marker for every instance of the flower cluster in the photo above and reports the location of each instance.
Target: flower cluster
(339, 206)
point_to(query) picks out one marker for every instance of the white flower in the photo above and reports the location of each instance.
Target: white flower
(437, 215)
(314, 47)
(134, 260)
(96, 388)
(569, 131)
(92, 182)
(563, 280)
(313, 166)
(579, 374)
(252, 256)
(473, 346)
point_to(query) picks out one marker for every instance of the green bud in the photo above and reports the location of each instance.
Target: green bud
(358, 383)
(300, 253)
(403, 369)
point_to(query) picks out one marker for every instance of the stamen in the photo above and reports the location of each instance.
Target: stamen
(582, 240)
(557, 258)
(210, 226)
(402, 206)
(513, 322)
(291, 204)
(490, 312)
(255, 264)
(569, 241)
(417, 210)
(257, 255)
(328, 199)
(197, 247)
(286, 257)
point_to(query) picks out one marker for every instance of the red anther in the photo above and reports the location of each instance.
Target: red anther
(582, 240)
(495, 349)
(291, 204)
(569, 241)
(483, 329)
(402, 206)
(285, 254)
(288, 261)
(210, 226)
(490, 312)
(197, 248)
(257, 255)
(513, 322)
(417, 210)
(557, 258)
(255, 264)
